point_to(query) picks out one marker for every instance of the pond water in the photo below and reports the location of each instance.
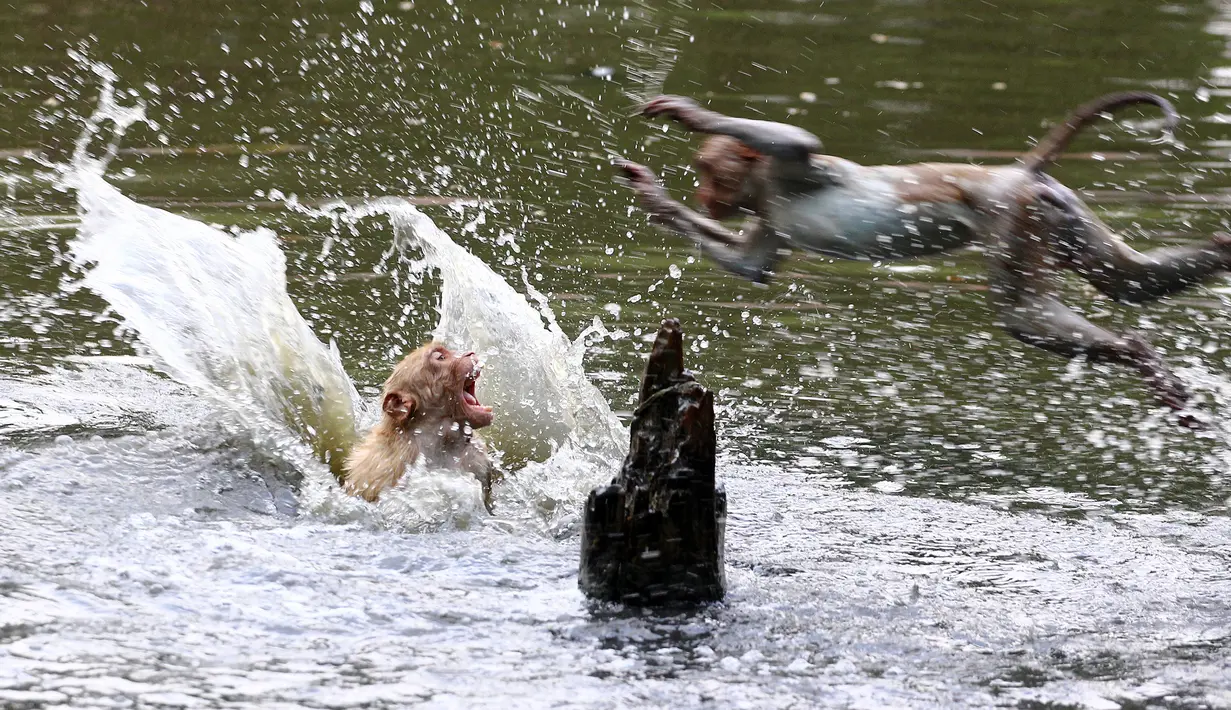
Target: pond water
(924, 513)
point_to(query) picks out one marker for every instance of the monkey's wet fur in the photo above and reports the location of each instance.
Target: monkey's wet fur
(1031, 225)
(428, 410)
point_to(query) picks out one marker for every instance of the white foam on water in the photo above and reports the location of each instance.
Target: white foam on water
(213, 309)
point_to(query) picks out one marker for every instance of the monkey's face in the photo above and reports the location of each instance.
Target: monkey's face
(730, 176)
(433, 382)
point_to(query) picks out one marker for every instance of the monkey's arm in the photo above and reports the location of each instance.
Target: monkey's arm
(752, 257)
(777, 140)
(474, 460)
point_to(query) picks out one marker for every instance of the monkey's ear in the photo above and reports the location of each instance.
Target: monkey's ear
(399, 406)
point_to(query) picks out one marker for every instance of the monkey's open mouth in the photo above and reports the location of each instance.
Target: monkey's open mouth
(479, 415)
(468, 392)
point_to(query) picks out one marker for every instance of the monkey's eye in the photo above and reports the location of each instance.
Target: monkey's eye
(440, 355)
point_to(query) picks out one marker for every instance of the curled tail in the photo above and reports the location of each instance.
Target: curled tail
(1048, 149)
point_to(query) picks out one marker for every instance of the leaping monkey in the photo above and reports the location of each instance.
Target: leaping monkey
(1031, 224)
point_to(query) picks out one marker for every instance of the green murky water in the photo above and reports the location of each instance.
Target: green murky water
(525, 104)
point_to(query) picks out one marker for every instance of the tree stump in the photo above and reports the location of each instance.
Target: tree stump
(655, 535)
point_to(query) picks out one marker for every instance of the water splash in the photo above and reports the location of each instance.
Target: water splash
(215, 312)
(654, 52)
(108, 110)
(213, 309)
(533, 375)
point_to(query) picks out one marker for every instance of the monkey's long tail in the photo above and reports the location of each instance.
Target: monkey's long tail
(1047, 150)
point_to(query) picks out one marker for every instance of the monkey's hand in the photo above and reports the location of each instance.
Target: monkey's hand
(654, 198)
(684, 111)
(638, 176)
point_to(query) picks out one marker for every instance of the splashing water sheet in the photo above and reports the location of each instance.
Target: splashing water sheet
(148, 569)
(213, 309)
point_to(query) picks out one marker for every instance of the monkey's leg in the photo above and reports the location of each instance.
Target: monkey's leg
(1090, 248)
(1045, 322)
(1022, 290)
(752, 257)
(777, 140)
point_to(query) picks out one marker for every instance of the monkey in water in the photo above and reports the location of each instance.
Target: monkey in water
(428, 409)
(1032, 225)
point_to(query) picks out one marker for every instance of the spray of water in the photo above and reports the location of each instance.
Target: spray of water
(552, 423)
(534, 377)
(214, 311)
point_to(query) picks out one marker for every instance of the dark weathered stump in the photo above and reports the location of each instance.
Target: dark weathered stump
(655, 535)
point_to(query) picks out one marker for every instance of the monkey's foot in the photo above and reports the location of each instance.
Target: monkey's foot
(1168, 388)
(1222, 242)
